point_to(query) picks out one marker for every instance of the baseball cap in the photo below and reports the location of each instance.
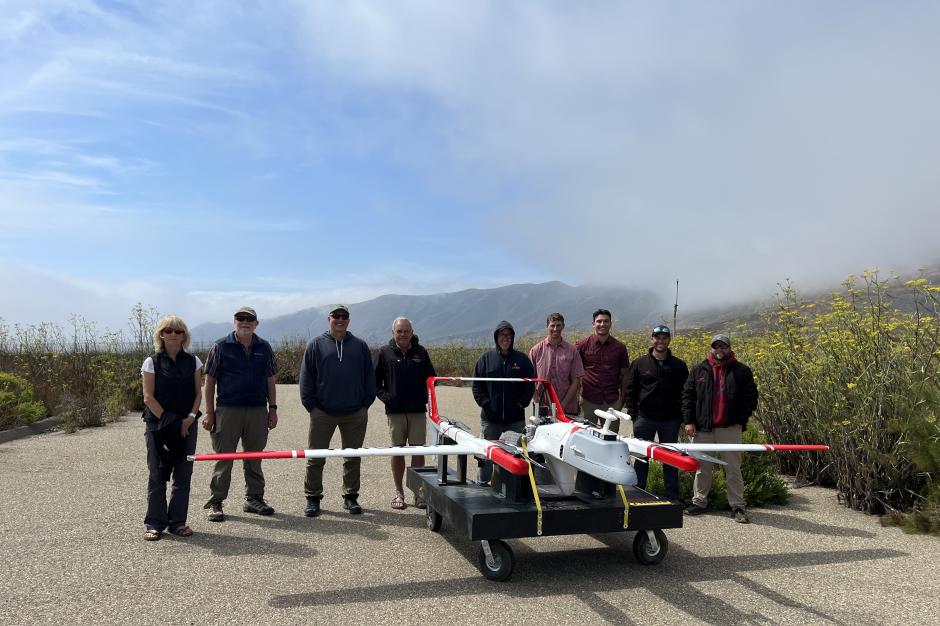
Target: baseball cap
(339, 307)
(722, 338)
(247, 310)
(661, 330)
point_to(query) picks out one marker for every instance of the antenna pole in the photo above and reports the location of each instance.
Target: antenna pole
(675, 310)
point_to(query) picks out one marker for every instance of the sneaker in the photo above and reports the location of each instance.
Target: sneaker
(313, 507)
(740, 516)
(695, 509)
(215, 512)
(257, 505)
(350, 504)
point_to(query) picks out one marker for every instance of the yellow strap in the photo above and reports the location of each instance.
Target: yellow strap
(535, 491)
(626, 507)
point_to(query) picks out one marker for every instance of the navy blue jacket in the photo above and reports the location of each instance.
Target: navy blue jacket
(337, 377)
(241, 376)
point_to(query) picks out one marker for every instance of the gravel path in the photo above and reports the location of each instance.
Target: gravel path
(71, 526)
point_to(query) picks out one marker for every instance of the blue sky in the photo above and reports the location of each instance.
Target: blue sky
(198, 156)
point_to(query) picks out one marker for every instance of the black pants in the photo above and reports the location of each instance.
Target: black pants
(160, 516)
(668, 432)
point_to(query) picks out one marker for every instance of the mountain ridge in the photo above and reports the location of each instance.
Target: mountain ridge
(466, 316)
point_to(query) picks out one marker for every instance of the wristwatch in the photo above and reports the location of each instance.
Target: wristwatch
(272, 406)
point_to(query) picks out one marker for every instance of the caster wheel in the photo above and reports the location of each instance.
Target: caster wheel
(499, 567)
(434, 520)
(647, 551)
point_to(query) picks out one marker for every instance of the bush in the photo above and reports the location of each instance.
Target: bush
(862, 375)
(17, 407)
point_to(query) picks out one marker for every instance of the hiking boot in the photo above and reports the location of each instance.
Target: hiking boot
(215, 512)
(740, 515)
(313, 507)
(695, 509)
(350, 504)
(258, 506)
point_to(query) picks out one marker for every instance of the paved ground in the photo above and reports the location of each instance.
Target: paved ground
(71, 526)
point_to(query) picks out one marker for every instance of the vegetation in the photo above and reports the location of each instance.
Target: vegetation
(861, 375)
(85, 378)
(859, 370)
(17, 407)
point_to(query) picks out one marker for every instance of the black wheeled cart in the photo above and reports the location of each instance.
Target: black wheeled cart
(506, 508)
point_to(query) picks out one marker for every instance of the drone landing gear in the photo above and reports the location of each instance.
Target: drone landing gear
(496, 559)
(650, 546)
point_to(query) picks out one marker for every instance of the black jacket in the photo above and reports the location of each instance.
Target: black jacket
(740, 394)
(503, 403)
(654, 387)
(401, 379)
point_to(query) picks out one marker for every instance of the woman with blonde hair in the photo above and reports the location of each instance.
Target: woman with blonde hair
(172, 395)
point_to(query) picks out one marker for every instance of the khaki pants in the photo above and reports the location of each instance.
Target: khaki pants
(233, 423)
(587, 410)
(733, 479)
(352, 432)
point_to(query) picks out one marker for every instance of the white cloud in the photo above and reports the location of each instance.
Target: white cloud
(729, 146)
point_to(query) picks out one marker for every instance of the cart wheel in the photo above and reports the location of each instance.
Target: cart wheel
(644, 550)
(434, 520)
(502, 563)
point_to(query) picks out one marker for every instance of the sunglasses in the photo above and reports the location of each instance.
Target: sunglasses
(173, 331)
(339, 316)
(244, 318)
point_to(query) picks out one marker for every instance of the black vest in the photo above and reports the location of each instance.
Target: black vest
(175, 388)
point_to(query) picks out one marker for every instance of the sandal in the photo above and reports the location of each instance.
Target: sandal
(151, 535)
(182, 531)
(420, 503)
(398, 502)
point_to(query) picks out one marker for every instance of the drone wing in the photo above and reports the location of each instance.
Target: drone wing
(331, 452)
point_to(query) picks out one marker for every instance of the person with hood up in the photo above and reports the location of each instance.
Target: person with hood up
(502, 404)
(337, 387)
(401, 376)
(718, 398)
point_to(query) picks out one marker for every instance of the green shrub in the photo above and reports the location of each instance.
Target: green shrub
(17, 407)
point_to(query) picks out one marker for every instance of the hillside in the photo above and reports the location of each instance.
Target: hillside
(467, 316)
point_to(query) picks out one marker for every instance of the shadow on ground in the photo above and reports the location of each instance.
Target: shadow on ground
(598, 571)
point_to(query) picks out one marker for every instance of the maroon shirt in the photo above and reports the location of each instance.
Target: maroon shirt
(602, 364)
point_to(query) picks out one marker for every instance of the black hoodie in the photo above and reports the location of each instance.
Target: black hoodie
(503, 403)
(401, 379)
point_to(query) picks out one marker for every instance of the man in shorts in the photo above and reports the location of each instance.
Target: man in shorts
(401, 376)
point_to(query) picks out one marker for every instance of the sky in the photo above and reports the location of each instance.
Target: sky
(198, 156)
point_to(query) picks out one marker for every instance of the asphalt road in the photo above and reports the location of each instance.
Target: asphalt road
(71, 524)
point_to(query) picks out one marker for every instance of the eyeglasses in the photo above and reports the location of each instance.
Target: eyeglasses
(173, 331)
(244, 318)
(720, 346)
(339, 316)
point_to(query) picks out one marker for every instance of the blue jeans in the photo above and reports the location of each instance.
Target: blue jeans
(668, 432)
(160, 516)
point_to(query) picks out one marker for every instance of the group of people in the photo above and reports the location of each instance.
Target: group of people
(339, 382)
